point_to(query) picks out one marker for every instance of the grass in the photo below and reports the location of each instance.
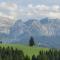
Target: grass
(26, 49)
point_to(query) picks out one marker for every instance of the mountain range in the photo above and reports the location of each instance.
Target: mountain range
(45, 32)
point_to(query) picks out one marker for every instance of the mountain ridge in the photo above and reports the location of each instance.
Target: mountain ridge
(46, 31)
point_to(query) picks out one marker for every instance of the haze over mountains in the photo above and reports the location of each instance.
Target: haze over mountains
(45, 30)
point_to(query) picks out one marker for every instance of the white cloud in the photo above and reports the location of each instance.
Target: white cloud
(7, 19)
(55, 8)
(54, 15)
(10, 6)
(7, 16)
(44, 7)
(43, 10)
(38, 10)
(30, 10)
(30, 6)
(34, 11)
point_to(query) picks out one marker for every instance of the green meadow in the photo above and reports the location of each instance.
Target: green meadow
(26, 49)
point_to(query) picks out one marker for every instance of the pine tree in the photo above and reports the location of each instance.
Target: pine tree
(34, 58)
(27, 58)
(31, 41)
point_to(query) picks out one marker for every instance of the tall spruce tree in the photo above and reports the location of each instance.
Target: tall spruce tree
(34, 58)
(31, 41)
(27, 57)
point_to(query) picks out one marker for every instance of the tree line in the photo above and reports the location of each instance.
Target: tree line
(14, 54)
(51, 54)
(9, 53)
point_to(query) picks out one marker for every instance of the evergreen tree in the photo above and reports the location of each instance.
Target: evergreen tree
(27, 58)
(31, 41)
(34, 58)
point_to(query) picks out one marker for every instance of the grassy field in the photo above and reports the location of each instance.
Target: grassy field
(26, 49)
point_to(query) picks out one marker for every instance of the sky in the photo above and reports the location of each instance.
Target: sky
(19, 9)
(13, 10)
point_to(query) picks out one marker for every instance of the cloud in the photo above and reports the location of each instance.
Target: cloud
(11, 8)
(16, 11)
(43, 10)
(54, 15)
(8, 13)
(30, 6)
(6, 16)
(34, 11)
(56, 8)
